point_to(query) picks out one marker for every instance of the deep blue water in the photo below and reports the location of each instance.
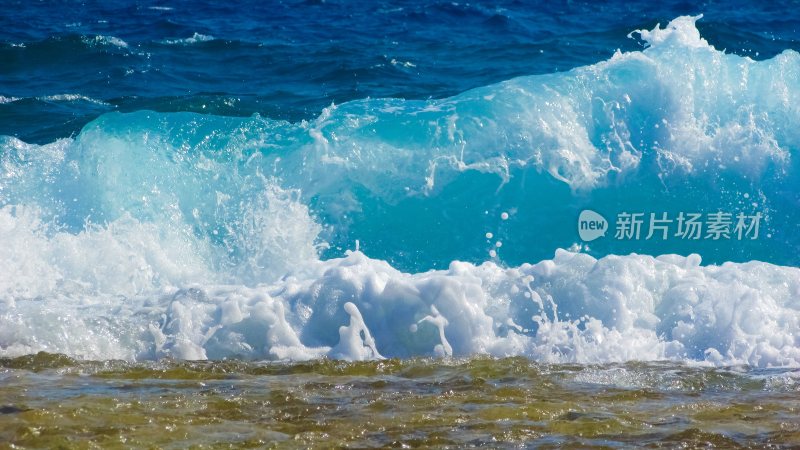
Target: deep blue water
(288, 60)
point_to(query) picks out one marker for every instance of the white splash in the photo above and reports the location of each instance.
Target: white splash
(194, 39)
(573, 308)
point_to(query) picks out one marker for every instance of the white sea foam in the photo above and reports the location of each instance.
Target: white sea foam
(124, 258)
(58, 98)
(133, 291)
(71, 98)
(194, 39)
(105, 40)
(682, 31)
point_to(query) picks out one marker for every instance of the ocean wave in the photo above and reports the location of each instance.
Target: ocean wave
(196, 236)
(571, 308)
(104, 40)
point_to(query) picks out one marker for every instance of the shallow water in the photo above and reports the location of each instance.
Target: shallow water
(425, 224)
(51, 400)
(217, 220)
